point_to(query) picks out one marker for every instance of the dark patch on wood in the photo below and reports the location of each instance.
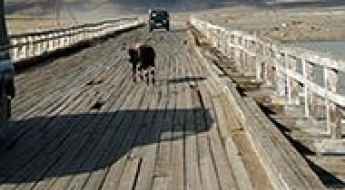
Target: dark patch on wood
(94, 82)
(186, 80)
(98, 105)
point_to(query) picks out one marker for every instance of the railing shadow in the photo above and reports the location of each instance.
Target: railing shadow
(45, 147)
(330, 180)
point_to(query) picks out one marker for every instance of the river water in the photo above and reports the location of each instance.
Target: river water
(335, 48)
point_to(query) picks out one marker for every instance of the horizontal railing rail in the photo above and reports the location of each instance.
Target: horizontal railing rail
(61, 29)
(34, 44)
(304, 78)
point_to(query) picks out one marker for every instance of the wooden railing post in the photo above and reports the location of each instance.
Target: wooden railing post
(306, 73)
(80, 35)
(61, 39)
(50, 42)
(232, 49)
(25, 48)
(15, 50)
(265, 69)
(326, 101)
(236, 51)
(258, 65)
(242, 55)
(287, 80)
(333, 114)
(31, 50)
(246, 57)
(71, 37)
(37, 46)
(280, 82)
(227, 43)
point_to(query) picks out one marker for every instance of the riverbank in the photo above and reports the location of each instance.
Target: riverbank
(283, 23)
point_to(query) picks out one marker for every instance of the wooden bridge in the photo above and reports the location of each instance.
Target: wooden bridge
(79, 122)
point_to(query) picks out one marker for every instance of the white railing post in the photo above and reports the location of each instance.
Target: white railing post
(31, 50)
(25, 49)
(258, 65)
(61, 40)
(69, 40)
(288, 81)
(15, 50)
(333, 118)
(50, 42)
(37, 46)
(326, 101)
(44, 43)
(305, 78)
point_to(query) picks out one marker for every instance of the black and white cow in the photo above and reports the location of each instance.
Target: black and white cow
(142, 58)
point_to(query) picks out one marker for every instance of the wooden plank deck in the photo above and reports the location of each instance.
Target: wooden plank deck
(81, 123)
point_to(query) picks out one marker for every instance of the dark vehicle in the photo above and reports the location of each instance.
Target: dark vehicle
(7, 89)
(159, 19)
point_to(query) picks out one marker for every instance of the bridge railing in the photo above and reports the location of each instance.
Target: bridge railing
(302, 77)
(29, 45)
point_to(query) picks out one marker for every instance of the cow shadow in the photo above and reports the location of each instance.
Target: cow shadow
(40, 148)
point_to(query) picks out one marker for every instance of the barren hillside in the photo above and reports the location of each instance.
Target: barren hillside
(287, 20)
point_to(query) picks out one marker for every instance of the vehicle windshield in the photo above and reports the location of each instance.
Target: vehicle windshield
(159, 14)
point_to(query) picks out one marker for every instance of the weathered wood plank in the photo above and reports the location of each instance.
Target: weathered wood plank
(73, 151)
(238, 168)
(129, 177)
(128, 133)
(160, 183)
(177, 163)
(78, 161)
(150, 152)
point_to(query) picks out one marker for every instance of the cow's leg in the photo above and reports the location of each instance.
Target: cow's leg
(141, 70)
(147, 75)
(153, 76)
(134, 72)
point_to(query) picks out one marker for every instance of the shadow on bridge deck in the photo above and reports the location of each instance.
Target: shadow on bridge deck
(46, 147)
